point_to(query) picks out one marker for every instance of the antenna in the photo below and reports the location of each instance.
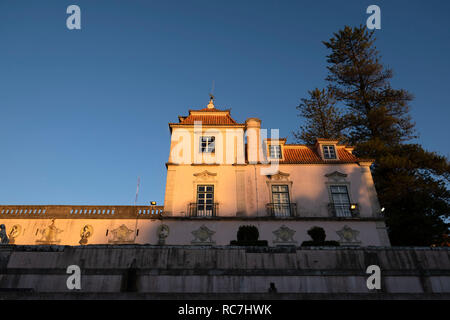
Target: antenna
(212, 90)
(137, 190)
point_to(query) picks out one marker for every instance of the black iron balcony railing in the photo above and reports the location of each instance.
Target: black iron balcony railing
(282, 209)
(346, 210)
(203, 209)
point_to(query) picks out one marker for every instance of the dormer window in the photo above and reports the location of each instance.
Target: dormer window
(329, 152)
(207, 144)
(275, 152)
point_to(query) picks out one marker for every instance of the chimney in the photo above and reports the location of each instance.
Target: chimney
(253, 132)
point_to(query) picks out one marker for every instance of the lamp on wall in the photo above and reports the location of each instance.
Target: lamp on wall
(353, 206)
(153, 203)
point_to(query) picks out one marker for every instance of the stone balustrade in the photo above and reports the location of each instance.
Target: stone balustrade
(80, 212)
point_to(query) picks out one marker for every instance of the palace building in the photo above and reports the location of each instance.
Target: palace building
(221, 175)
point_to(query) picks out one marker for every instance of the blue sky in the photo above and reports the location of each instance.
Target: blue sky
(84, 112)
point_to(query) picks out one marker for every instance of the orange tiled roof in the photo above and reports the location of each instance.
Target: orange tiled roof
(208, 116)
(209, 119)
(308, 154)
(344, 155)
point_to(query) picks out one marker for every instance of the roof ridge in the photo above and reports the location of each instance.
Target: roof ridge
(209, 119)
(209, 110)
(298, 145)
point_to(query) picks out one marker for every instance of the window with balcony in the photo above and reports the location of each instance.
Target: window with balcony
(207, 144)
(281, 206)
(340, 206)
(205, 206)
(329, 152)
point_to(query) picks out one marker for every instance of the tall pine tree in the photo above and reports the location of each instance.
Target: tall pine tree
(376, 111)
(411, 182)
(318, 109)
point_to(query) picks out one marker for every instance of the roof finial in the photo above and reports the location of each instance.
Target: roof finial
(211, 97)
(211, 101)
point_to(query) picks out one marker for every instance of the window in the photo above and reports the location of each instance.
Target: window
(280, 199)
(329, 152)
(341, 201)
(207, 144)
(275, 152)
(205, 200)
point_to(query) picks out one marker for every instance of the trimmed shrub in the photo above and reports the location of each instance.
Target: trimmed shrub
(248, 236)
(318, 236)
(248, 233)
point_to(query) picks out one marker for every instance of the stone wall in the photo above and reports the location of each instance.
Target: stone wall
(145, 271)
(189, 231)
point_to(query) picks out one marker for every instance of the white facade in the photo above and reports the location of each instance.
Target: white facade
(222, 175)
(245, 181)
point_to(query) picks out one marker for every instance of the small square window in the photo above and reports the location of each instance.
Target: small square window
(275, 152)
(329, 152)
(207, 144)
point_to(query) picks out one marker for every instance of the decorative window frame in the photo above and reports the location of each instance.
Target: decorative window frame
(323, 146)
(204, 178)
(322, 153)
(280, 178)
(269, 155)
(337, 178)
(269, 143)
